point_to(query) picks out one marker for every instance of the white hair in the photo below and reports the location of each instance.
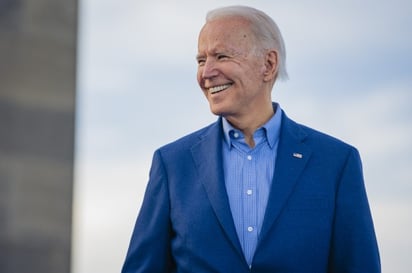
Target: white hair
(264, 28)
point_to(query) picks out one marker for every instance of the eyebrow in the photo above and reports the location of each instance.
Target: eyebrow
(199, 56)
(214, 53)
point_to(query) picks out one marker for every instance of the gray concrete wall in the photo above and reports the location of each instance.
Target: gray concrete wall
(37, 115)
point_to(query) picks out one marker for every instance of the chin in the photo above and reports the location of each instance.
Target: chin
(217, 113)
(216, 110)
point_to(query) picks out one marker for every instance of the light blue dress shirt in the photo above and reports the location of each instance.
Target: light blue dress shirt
(248, 178)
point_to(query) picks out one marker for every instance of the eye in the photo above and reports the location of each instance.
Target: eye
(222, 57)
(201, 62)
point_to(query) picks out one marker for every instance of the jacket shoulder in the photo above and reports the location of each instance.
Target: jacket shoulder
(314, 137)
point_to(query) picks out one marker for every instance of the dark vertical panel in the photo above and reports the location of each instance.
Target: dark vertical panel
(37, 115)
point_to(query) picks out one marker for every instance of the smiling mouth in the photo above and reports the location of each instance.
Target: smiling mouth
(219, 88)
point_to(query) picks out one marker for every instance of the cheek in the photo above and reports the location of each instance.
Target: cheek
(199, 76)
(200, 81)
(256, 74)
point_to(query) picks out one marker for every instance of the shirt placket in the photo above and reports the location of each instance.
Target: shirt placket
(249, 207)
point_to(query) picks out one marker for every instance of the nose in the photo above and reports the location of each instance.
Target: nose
(209, 69)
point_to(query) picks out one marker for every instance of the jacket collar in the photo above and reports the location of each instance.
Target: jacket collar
(292, 157)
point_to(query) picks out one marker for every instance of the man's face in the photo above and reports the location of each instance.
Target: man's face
(230, 72)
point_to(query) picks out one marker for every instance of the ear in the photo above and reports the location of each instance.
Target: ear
(271, 65)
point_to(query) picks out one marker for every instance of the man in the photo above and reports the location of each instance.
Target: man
(255, 191)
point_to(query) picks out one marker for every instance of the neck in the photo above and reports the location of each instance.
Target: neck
(250, 122)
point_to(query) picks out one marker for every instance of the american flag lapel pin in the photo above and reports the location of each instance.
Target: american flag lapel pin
(298, 155)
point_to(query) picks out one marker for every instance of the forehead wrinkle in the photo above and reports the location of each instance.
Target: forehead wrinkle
(217, 47)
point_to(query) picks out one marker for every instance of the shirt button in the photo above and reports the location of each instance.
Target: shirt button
(249, 157)
(250, 229)
(236, 135)
(249, 192)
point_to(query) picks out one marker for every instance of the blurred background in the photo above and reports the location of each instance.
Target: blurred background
(38, 44)
(125, 72)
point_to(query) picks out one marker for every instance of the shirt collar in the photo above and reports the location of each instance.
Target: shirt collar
(271, 127)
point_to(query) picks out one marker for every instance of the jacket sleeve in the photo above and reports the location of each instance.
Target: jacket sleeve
(149, 249)
(354, 247)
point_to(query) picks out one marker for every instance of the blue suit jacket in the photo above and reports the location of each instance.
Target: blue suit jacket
(317, 218)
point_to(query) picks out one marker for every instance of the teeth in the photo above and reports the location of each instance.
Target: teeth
(219, 88)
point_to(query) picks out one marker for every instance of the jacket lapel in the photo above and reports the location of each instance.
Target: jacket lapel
(292, 157)
(207, 154)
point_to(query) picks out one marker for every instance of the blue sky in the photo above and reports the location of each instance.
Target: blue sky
(350, 72)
